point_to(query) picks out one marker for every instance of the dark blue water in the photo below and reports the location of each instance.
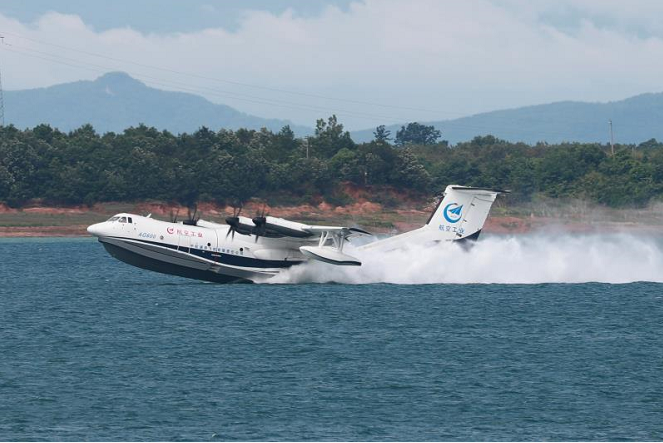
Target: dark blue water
(92, 349)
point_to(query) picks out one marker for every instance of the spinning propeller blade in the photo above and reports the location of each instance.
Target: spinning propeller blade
(233, 221)
(173, 215)
(192, 217)
(259, 220)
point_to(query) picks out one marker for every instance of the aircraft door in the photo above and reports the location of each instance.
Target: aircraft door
(213, 240)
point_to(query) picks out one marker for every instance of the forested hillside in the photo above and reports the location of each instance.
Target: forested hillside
(83, 167)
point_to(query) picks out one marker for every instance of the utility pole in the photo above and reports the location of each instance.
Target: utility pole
(2, 101)
(612, 140)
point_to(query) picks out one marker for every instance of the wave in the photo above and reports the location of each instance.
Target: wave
(525, 259)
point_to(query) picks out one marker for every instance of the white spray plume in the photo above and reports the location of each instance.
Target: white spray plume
(564, 258)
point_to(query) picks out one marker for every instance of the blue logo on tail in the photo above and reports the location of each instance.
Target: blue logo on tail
(452, 212)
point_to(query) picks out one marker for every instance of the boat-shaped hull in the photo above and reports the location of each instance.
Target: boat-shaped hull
(169, 260)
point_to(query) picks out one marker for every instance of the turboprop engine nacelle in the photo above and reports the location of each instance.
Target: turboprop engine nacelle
(241, 225)
(282, 227)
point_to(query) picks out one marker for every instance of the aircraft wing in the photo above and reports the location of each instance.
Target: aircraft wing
(330, 238)
(280, 227)
(347, 232)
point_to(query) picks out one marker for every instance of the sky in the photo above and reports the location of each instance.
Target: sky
(369, 62)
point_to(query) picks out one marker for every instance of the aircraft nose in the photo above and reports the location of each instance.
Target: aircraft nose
(95, 229)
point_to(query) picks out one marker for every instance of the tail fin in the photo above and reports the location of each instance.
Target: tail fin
(462, 212)
(458, 217)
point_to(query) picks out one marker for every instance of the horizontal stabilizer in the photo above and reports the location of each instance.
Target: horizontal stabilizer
(477, 189)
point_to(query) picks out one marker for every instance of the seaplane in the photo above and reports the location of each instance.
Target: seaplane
(250, 250)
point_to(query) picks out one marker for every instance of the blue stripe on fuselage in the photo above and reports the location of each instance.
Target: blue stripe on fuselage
(219, 257)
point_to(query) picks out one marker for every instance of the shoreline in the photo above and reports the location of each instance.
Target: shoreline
(44, 221)
(43, 231)
(500, 225)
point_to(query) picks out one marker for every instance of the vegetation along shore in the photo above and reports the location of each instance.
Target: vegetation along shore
(55, 183)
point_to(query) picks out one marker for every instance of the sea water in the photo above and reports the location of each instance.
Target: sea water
(547, 347)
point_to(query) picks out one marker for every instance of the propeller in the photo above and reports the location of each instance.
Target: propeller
(192, 219)
(173, 216)
(260, 220)
(233, 221)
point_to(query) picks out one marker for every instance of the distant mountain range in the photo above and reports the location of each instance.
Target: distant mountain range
(635, 120)
(116, 101)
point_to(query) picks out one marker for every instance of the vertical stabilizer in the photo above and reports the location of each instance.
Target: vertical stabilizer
(458, 217)
(461, 213)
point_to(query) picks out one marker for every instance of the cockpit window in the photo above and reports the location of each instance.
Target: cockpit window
(130, 220)
(112, 219)
(123, 219)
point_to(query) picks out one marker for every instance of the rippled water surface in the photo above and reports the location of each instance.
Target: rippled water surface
(93, 349)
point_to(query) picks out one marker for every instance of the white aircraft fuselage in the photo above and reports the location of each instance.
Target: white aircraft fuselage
(252, 250)
(204, 252)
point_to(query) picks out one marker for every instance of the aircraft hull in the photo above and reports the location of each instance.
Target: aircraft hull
(165, 260)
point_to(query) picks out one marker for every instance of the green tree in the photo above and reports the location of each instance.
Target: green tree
(345, 166)
(6, 183)
(282, 146)
(561, 168)
(417, 134)
(382, 134)
(329, 138)
(410, 173)
(652, 143)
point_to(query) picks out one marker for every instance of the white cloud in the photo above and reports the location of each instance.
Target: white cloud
(449, 57)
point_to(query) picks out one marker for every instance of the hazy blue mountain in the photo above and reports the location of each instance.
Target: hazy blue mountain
(635, 120)
(116, 101)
